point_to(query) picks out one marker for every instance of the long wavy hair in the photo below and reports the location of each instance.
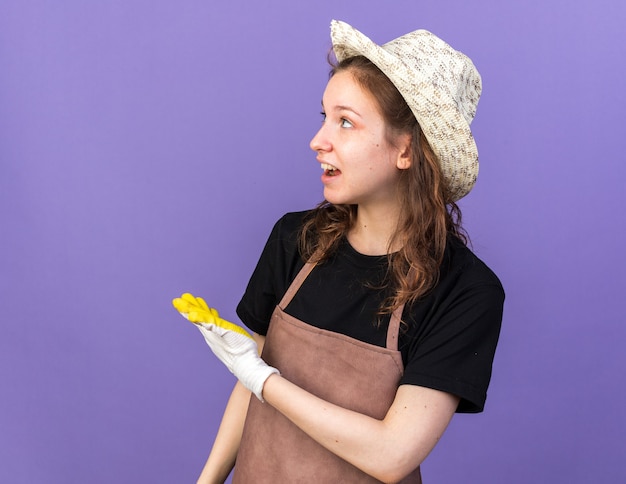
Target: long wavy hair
(428, 214)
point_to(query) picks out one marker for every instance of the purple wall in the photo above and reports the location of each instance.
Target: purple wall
(147, 147)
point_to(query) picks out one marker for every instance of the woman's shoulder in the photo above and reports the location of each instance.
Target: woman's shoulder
(464, 265)
(287, 228)
(292, 221)
(286, 232)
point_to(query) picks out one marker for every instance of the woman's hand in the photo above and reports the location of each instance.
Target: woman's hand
(232, 344)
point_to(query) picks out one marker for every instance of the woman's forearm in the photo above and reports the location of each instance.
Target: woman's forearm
(224, 452)
(387, 449)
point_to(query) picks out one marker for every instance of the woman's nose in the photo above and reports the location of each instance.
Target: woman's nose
(320, 141)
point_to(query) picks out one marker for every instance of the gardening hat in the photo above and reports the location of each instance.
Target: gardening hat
(440, 85)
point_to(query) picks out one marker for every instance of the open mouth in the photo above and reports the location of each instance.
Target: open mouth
(330, 170)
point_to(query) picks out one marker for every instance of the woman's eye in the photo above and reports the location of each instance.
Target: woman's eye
(323, 116)
(345, 123)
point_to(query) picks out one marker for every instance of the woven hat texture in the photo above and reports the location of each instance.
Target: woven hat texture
(441, 86)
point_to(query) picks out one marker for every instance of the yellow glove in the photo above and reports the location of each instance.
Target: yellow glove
(196, 310)
(232, 344)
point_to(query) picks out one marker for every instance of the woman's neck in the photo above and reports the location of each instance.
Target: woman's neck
(373, 231)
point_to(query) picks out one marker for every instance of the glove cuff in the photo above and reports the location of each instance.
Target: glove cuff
(258, 382)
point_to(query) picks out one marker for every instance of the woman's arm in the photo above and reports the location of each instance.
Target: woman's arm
(387, 449)
(224, 451)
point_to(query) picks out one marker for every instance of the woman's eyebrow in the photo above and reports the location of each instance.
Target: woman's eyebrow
(342, 107)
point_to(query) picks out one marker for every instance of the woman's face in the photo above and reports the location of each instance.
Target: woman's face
(360, 165)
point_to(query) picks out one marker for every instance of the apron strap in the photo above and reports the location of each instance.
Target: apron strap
(394, 328)
(295, 285)
(394, 323)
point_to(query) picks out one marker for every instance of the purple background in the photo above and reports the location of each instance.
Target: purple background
(146, 149)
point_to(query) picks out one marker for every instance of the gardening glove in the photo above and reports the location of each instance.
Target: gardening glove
(232, 344)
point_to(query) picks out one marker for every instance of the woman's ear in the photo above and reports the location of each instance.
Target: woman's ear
(404, 153)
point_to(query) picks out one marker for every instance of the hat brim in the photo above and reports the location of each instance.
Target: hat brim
(439, 117)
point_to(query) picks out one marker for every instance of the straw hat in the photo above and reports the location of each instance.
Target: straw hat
(440, 85)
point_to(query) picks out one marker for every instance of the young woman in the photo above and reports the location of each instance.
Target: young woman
(375, 323)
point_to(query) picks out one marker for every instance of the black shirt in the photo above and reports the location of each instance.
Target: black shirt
(450, 337)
